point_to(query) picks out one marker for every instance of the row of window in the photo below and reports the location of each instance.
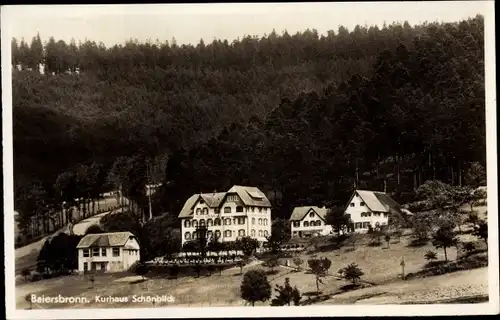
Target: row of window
(362, 204)
(227, 234)
(365, 225)
(375, 214)
(307, 223)
(239, 209)
(227, 222)
(100, 252)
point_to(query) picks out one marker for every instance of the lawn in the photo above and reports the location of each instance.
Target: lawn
(380, 264)
(213, 290)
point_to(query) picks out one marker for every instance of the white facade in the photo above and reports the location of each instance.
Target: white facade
(362, 216)
(227, 220)
(109, 258)
(312, 224)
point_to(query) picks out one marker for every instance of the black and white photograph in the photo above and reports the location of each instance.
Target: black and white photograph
(215, 160)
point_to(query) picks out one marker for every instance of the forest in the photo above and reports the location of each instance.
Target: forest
(307, 118)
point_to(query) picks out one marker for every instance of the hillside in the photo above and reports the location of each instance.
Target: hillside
(304, 115)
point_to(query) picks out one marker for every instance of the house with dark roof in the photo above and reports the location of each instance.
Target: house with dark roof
(241, 211)
(309, 221)
(371, 208)
(107, 252)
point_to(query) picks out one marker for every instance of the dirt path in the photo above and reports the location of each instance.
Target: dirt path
(449, 286)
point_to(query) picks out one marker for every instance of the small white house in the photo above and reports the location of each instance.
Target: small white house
(309, 222)
(107, 252)
(371, 208)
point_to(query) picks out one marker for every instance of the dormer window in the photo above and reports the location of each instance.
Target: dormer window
(202, 202)
(362, 204)
(352, 204)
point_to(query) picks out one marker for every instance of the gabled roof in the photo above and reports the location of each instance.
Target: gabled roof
(111, 239)
(378, 201)
(250, 196)
(213, 200)
(300, 212)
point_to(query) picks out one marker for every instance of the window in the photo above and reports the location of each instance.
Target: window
(116, 252)
(86, 253)
(209, 234)
(253, 209)
(306, 223)
(362, 204)
(227, 209)
(217, 234)
(217, 210)
(227, 222)
(260, 233)
(202, 222)
(217, 222)
(205, 210)
(260, 209)
(311, 214)
(210, 222)
(352, 204)
(232, 198)
(241, 233)
(202, 202)
(358, 225)
(85, 266)
(195, 235)
(95, 252)
(198, 211)
(260, 222)
(187, 236)
(103, 252)
(195, 223)
(386, 214)
(365, 225)
(296, 224)
(241, 220)
(266, 233)
(265, 222)
(239, 209)
(227, 233)
(187, 223)
(376, 214)
(253, 220)
(318, 222)
(253, 233)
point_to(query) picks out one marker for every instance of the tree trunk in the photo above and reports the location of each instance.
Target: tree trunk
(445, 254)
(317, 286)
(459, 173)
(452, 175)
(398, 171)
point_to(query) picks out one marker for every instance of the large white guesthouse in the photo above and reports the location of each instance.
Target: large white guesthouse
(371, 208)
(241, 211)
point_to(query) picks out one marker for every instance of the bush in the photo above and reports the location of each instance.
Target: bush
(352, 273)
(430, 256)
(255, 287)
(468, 247)
(25, 273)
(174, 270)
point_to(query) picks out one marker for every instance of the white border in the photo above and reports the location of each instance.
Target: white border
(492, 307)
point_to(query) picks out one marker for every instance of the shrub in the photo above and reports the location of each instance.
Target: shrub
(286, 294)
(141, 270)
(444, 238)
(174, 270)
(352, 273)
(255, 286)
(468, 247)
(430, 256)
(298, 262)
(25, 273)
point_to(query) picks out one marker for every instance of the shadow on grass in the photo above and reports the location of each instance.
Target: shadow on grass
(272, 272)
(417, 243)
(137, 281)
(311, 293)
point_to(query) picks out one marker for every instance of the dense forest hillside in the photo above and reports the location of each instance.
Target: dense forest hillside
(304, 116)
